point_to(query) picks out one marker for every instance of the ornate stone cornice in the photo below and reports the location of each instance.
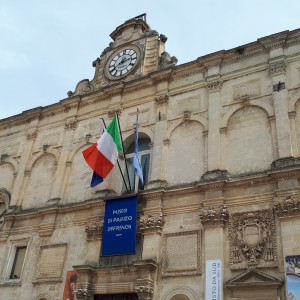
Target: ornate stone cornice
(151, 224)
(214, 216)
(94, 231)
(288, 206)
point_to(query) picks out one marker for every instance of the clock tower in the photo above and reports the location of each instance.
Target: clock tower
(136, 50)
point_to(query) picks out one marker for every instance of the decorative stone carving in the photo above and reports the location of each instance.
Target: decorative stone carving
(252, 240)
(94, 231)
(286, 162)
(214, 216)
(186, 115)
(215, 175)
(113, 112)
(71, 125)
(144, 292)
(162, 99)
(245, 100)
(27, 173)
(290, 206)
(3, 158)
(214, 86)
(166, 60)
(83, 294)
(31, 135)
(151, 224)
(277, 68)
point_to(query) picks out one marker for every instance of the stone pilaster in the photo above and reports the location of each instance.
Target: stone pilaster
(151, 227)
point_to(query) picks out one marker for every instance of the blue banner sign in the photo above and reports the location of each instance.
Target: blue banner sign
(119, 233)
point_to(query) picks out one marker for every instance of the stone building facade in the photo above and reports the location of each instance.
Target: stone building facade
(222, 135)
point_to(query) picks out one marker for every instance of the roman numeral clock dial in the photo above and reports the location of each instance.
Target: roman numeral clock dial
(122, 62)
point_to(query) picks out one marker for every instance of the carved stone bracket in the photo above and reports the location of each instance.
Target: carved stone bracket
(214, 216)
(162, 99)
(277, 68)
(144, 292)
(252, 240)
(94, 231)
(245, 100)
(288, 207)
(151, 224)
(214, 86)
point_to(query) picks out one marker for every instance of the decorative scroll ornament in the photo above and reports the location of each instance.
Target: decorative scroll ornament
(31, 135)
(214, 216)
(150, 224)
(252, 240)
(94, 231)
(290, 206)
(144, 292)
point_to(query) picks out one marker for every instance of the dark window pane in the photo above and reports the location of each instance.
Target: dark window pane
(18, 263)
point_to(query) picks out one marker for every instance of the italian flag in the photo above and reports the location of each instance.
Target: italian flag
(102, 156)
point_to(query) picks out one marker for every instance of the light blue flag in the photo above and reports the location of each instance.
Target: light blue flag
(136, 162)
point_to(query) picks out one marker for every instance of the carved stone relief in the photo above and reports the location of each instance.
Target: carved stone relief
(288, 206)
(252, 240)
(151, 224)
(214, 216)
(94, 231)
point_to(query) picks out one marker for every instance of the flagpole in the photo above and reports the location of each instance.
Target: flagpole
(124, 152)
(118, 160)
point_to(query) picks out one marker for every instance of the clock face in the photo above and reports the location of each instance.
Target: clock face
(123, 62)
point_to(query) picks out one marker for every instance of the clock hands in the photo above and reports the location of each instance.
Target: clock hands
(122, 61)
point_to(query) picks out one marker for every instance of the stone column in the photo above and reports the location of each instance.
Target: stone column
(292, 116)
(58, 184)
(151, 227)
(159, 148)
(94, 230)
(280, 97)
(214, 114)
(21, 180)
(213, 220)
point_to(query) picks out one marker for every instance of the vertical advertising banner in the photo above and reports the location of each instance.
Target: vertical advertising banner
(70, 286)
(119, 233)
(214, 284)
(292, 273)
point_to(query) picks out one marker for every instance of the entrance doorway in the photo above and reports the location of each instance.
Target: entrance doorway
(130, 296)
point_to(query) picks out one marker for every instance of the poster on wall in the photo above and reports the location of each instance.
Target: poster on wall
(214, 284)
(292, 272)
(119, 232)
(70, 286)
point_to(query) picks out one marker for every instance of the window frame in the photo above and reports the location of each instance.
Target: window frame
(140, 153)
(12, 258)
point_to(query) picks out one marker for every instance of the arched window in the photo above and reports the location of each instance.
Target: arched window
(144, 156)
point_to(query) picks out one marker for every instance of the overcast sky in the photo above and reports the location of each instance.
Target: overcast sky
(47, 46)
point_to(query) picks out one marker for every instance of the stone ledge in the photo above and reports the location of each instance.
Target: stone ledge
(286, 162)
(215, 175)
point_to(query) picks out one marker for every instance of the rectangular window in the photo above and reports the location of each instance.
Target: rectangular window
(18, 263)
